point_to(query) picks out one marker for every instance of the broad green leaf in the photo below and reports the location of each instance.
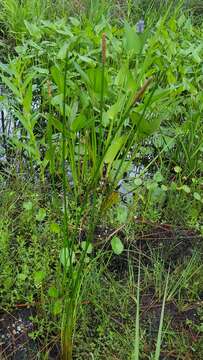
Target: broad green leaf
(73, 112)
(57, 308)
(41, 214)
(158, 177)
(113, 110)
(95, 77)
(145, 127)
(58, 102)
(81, 122)
(138, 182)
(197, 196)
(74, 21)
(151, 185)
(89, 248)
(160, 94)
(164, 187)
(85, 100)
(105, 119)
(122, 214)
(54, 228)
(114, 149)
(125, 79)
(121, 76)
(63, 51)
(28, 205)
(186, 189)
(116, 108)
(40, 70)
(177, 169)
(21, 276)
(117, 245)
(33, 29)
(57, 124)
(157, 195)
(39, 277)
(83, 75)
(53, 292)
(148, 127)
(174, 186)
(28, 79)
(132, 41)
(58, 77)
(87, 59)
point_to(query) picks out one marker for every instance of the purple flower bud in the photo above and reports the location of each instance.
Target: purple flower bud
(140, 26)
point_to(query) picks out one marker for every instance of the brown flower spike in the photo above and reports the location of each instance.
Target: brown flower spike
(103, 48)
(141, 92)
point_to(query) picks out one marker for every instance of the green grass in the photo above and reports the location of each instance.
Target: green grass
(107, 307)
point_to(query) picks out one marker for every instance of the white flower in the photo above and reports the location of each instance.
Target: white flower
(140, 26)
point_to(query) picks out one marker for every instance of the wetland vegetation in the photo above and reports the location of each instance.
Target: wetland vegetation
(101, 179)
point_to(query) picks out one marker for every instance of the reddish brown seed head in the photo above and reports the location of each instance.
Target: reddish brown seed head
(49, 88)
(103, 48)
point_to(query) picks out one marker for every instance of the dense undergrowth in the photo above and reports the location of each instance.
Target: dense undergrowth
(101, 180)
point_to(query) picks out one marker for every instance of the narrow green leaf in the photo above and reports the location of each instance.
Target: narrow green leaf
(11, 86)
(27, 101)
(57, 75)
(160, 332)
(135, 355)
(65, 257)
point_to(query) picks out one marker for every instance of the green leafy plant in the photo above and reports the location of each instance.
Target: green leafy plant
(85, 114)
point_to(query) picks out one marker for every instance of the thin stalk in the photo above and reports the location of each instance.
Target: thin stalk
(4, 132)
(66, 329)
(135, 355)
(160, 332)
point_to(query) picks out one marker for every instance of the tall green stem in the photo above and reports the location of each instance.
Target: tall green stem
(66, 329)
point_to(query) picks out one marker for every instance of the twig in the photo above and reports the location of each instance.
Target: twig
(109, 237)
